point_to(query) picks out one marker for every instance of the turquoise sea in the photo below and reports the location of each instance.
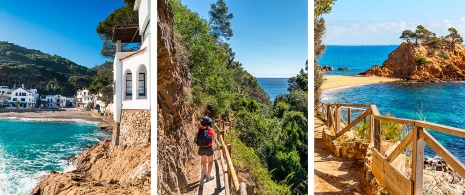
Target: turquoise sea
(273, 86)
(30, 148)
(442, 103)
(356, 58)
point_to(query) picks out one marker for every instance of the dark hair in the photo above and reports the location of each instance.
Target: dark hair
(206, 121)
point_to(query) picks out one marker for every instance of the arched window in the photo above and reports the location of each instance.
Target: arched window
(128, 85)
(142, 82)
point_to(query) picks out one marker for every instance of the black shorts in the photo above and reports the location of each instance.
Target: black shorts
(206, 150)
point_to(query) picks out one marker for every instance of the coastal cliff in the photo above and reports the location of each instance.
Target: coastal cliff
(424, 63)
(176, 118)
(107, 168)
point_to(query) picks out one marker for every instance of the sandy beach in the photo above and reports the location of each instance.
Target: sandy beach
(67, 113)
(336, 81)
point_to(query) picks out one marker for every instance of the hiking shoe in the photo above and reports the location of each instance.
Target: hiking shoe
(209, 178)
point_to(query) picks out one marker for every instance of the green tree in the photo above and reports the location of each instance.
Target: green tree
(220, 20)
(17, 103)
(407, 35)
(103, 82)
(4, 101)
(423, 34)
(320, 7)
(454, 35)
(121, 16)
(300, 81)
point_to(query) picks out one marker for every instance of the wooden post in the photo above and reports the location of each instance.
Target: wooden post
(417, 161)
(328, 117)
(227, 181)
(338, 119)
(243, 189)
(223, 123)
(348, 115)
(251, 188)
(376, 135)
(229, 149)
(231, 169)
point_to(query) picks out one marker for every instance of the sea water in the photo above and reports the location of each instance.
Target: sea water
(273, 86)
(30, 148)
(441, 103)
(356, 58)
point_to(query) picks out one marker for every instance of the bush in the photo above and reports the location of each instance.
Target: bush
(391, 130)
(421, 60)
(244, 158)
(361, 131)
(443, 55)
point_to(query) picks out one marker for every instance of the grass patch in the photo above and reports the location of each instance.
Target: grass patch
(245, 159)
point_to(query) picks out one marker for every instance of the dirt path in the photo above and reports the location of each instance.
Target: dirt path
(334, 175)
(198, 186)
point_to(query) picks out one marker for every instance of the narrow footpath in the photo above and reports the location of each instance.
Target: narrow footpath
(198, 186)
(334, 175)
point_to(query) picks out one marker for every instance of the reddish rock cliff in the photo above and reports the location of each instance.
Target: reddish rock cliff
(176, 118)
(424, 63)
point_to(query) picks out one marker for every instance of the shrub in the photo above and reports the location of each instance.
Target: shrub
(421, 60)
(361, 131)
(443, 55)
(391, 130)
(244, 158)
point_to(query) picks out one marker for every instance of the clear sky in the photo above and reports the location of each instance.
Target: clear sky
(367, 22)
(65, 28)
(270, 36)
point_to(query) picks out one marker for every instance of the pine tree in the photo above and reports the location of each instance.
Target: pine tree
(220, 20)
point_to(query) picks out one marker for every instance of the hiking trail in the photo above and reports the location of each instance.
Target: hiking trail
(334, 175)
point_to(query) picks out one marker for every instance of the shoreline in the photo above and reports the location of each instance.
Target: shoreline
(331, 82)
(67, 114)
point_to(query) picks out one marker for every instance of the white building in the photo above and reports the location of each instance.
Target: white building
(53, 101)
(22, 98)
(5, 90)
(83, 97)
(132, 69)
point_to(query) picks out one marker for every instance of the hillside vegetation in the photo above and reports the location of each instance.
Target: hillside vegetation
(50, 74)
(270, 140)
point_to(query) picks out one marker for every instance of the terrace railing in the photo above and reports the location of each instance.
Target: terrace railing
(383, 170)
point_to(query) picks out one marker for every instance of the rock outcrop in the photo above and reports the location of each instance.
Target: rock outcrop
(176, 117)
(103, 169)
(424, 63)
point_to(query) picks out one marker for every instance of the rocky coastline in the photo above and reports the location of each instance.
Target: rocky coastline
(104, 168)
(423, 63)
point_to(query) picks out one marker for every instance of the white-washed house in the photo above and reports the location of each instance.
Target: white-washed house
(53, 101)
(132, 69)
(22, 98)
(83, 97)
(5, 90)
(132, 79)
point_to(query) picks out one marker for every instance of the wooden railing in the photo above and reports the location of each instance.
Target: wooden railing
(394, 181)
(231, 182)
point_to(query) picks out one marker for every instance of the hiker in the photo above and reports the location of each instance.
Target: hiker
(204, 140)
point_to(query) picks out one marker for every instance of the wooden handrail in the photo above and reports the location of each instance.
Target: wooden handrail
(231, 172)
(417, 137)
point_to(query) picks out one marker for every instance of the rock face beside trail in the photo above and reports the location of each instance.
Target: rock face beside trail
(424, 63)
(103, 170)
(176, 118)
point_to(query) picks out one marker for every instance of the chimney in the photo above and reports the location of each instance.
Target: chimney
(22, 86)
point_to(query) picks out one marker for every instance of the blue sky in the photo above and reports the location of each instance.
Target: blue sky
(270, 37)
(365, 22)
(64, 28)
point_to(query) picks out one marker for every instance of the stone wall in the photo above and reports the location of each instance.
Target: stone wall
(350, 150)
(134, 127)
